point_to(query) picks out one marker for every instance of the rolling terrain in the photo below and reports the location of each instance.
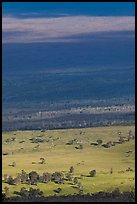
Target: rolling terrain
(26, 150)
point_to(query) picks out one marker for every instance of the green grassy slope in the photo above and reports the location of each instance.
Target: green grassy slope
(59, 157)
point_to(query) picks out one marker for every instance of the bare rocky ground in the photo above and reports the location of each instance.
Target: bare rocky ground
(98, 197)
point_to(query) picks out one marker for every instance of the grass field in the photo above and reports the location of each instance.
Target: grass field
(59, 157)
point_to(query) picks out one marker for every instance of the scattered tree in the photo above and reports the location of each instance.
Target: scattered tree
(69, 176)
(13, 139)
(34, 177)
(23, 192)
(42, 160)
(71, 169)
(7, 140)
(129, 169)
(92, 173)
(13, 164)
(46, 177)
(35, 192)
(111, 171)
(71, 142)
(80, 187)
(10, 180)
(23, 177)
(121, 139)
(75, 180)
(99, 141)
(58, 177)
(16, 181)
(80, 146)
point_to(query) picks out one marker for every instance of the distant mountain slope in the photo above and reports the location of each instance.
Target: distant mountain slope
(99, 66)
(94, 50)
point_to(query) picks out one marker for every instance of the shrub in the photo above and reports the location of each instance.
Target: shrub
(92, 173)
(71, 169)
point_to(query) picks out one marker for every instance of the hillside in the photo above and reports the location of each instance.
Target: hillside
(99, 66)
(29, 146)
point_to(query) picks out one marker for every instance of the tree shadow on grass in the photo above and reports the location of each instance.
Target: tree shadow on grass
(70, 183)
(16, 193)
(74, 186)
(84, 175)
